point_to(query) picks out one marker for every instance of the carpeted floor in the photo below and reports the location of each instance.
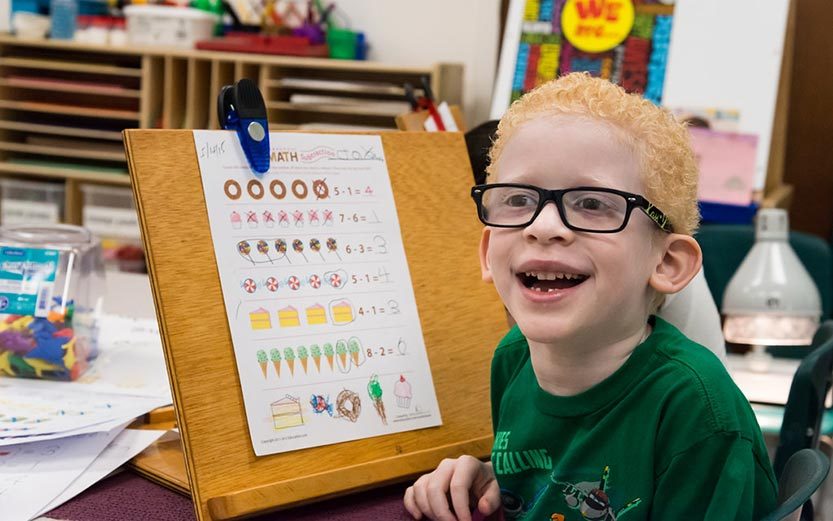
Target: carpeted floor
(129, 497)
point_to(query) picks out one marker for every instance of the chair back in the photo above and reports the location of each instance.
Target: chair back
(803, 474)
(806, 403)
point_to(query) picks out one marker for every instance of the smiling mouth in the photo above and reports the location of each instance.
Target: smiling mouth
(547, 282)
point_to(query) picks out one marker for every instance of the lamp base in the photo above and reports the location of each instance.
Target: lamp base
(758, 360)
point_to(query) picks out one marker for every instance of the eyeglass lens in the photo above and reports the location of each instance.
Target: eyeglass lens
(587, 209)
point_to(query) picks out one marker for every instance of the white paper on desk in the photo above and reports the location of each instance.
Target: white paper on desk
(317, 291)
(130, 360)
(32, 474)
(124, 447)
(37, 407)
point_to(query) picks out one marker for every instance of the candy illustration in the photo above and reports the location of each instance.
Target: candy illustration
(298, 246)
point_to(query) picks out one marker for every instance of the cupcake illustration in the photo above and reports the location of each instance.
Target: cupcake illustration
(402, 391)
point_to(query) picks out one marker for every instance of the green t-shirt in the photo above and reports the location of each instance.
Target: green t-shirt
(668, 436)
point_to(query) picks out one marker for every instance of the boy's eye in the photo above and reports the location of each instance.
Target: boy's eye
(520, 200)
(590, 203)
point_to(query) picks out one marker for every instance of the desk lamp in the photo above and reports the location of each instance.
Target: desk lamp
(771, 299)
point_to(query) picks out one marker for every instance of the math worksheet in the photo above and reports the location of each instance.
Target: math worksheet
(318, 295)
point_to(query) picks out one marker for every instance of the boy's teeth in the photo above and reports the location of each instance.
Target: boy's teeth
(551, 276)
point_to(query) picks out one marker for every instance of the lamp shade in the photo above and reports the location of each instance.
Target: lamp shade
(771, 299)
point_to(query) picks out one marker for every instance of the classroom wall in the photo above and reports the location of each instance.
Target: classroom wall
(426, 32)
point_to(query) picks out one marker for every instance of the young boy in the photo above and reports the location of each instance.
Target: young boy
(600, 409)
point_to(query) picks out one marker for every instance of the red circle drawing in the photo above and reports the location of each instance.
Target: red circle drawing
(249, 285)
(335, 280)
(294, 283)
(315, 281)
(272, 284)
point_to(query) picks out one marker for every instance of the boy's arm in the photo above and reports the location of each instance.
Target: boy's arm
(718, 479)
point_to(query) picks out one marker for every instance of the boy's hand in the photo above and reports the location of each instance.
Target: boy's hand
(464, 479)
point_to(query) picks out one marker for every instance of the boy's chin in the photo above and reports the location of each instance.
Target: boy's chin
(545, 331)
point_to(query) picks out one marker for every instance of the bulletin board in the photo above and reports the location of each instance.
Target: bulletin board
(722, 54)
(461, 316)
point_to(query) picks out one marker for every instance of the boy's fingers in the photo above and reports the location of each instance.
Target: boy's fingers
(437, 490)
(461, 485)
(410, 504)
(421, 496)
(490, 500)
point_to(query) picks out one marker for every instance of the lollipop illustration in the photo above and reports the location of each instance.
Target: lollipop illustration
(298, 246)
(374, 389)
(245, 250)
(332, 246)
(280, 247)
(315, 245)
(263, 248)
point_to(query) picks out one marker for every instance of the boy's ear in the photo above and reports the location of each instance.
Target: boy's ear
(485, 271)
(679, 264)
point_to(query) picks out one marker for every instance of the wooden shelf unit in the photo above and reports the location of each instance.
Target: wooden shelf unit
(63, 105)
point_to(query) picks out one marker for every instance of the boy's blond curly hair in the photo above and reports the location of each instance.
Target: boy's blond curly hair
(669, 169)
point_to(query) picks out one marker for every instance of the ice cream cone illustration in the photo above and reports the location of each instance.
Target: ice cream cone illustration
(329, 353)
(374, 389)
(289, 356)
(275, 357)
(315, 352)
(355, 348)
(303, 356)
(341, 349)
(262, 360)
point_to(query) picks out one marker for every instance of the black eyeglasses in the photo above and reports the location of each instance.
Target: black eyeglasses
(585, 209)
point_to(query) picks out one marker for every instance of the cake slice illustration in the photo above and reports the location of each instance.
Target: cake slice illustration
(275, 357)
(289, 356)
(286, 413)
(288, 317)
(316, 315)
(315, 353)
(262, 361)
(259, 319)
(403, 393)
(342, 312)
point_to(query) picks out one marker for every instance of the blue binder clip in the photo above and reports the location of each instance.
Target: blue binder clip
(240, 107)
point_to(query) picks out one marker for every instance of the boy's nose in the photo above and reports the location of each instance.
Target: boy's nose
(549, 226)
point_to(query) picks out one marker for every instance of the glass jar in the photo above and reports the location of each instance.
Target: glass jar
(51, 287)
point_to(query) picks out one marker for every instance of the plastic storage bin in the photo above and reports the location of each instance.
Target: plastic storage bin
(51, 287)
(109, 213)
(169, 26)
(30, 202)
